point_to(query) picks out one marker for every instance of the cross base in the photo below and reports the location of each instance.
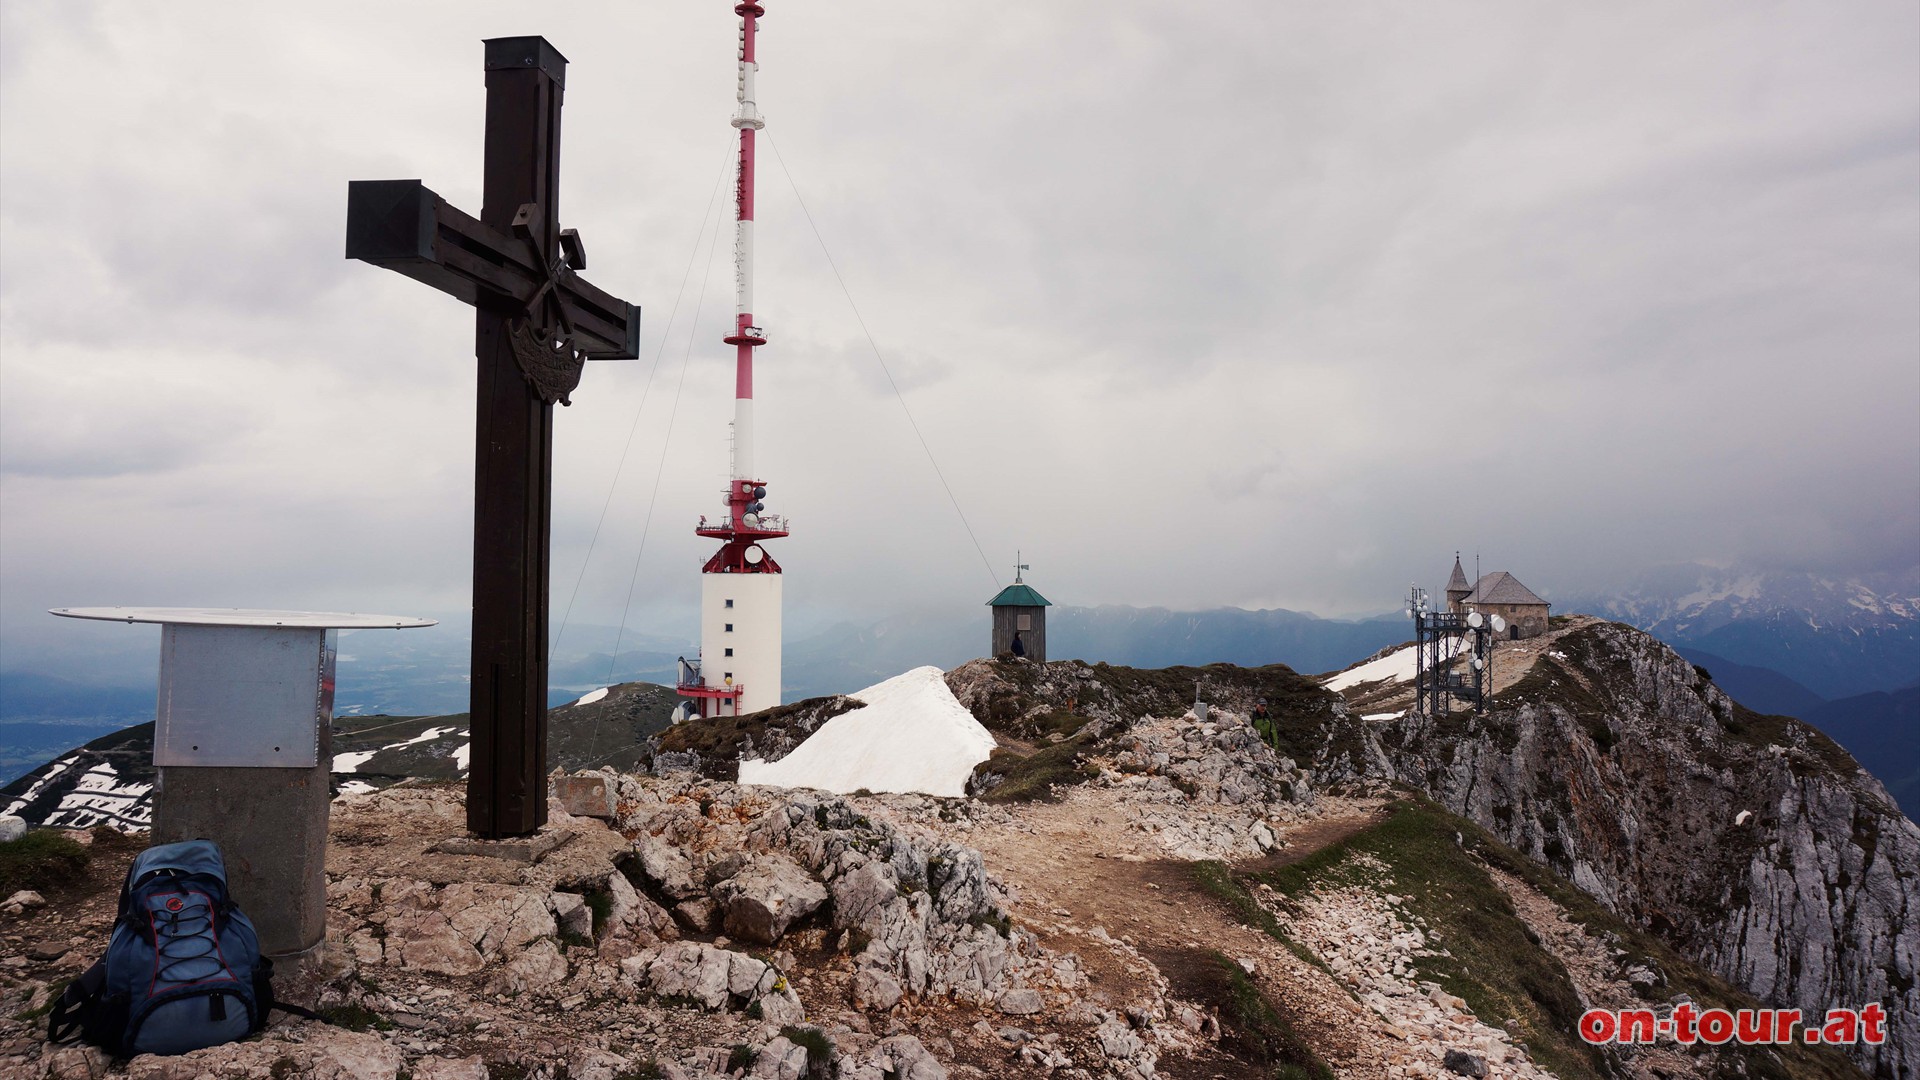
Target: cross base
(528, 849)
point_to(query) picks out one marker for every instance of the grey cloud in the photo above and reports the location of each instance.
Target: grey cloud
(1195, 306)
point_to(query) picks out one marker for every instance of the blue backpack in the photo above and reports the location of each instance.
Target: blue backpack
(183, 968)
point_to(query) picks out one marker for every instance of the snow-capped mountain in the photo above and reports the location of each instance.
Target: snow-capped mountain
(1837, 636)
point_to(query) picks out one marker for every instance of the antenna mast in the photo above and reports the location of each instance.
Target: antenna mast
(746, 336)
(740, 640)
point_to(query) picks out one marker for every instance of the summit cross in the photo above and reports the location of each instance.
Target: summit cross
(536, 321)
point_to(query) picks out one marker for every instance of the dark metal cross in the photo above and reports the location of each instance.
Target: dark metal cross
(536, 321)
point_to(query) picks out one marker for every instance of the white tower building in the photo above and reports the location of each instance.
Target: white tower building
(739, 667)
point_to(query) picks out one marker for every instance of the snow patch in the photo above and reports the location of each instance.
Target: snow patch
(1741, 817)
(461, 754)
(351, 762)
(590, 698)
(910, 734)
(428, 735)
(1396, 666)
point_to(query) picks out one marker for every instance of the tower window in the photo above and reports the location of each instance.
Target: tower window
(729, 675)
(729, 652)
(729, 628)
(729, 603)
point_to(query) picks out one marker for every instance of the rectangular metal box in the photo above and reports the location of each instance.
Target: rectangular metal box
(243, 696)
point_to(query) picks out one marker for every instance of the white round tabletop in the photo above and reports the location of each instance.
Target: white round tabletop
(188, 616)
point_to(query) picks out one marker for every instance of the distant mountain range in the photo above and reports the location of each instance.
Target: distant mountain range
(1837, 637)
(1838, 653)
(1842, 654)
(425, 673)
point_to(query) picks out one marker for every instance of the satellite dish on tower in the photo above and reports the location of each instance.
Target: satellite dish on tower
(1499, 625)
(753, 555)
(1474, 620)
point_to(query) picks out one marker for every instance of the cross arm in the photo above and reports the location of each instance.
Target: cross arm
(404, 226)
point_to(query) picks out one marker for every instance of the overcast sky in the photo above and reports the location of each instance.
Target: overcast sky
(1196, 305)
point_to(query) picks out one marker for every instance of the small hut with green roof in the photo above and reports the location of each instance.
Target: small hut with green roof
(1020, 621)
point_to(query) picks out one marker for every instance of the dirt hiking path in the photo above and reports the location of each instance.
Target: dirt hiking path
(1088, 882)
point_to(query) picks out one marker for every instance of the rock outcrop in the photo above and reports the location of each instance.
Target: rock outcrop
(919, 913)
(1754, 844)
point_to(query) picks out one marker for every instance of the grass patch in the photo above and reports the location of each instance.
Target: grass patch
(1761, 731)
(1256, 1030)
(356, 1017)
(600, 903)
(42, 859)
(1217, 880)
(1003, 923)
(1032, 777)
(819, 1048)
(1497, 965)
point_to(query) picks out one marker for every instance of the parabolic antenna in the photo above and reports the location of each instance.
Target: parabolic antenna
(1499, 625)
(753, 555)
(1474, 620)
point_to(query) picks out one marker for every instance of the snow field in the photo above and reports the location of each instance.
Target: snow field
(1396, 666)
(910, 734)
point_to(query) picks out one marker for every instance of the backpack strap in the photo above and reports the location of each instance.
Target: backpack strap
(295, 1010)
(77, 1004)
(265, 1001)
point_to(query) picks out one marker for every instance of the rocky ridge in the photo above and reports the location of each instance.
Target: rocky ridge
(1753, 844)
(699, 928)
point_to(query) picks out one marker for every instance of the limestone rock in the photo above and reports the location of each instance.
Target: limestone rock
(573, 916)
(427, 941)
(1021, 1002)
(595, 1064)
(76, 1063)
(668, 871)
(874, 989)
(497, 918)
(631, 914)
(536, 967)
(712, 977)
(780, 1060)
(1117, 1040)
(326, 1053)
(903, 1057)
(11, 828)
(366, 947)
(765, 897)
(440, 1068)
(698, 915)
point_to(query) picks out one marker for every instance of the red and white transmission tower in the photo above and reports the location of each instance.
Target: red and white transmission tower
(739, 667)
